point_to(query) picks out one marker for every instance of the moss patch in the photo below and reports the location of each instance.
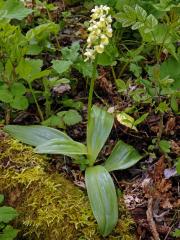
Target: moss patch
(50, 206)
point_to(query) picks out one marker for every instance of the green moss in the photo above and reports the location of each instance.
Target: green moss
(50, 206)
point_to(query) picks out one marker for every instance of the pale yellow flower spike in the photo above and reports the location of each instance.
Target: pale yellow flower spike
(100, 31)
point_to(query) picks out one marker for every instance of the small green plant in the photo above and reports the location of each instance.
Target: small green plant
(156, 37)
(178, 165)
(100, 186)
(63, 119)
(13, 9)
(12, 49)
(17, 71)
(176, 233)
(129, 121)
(7, 214)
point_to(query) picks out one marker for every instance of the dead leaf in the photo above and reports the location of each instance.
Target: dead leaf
(156, 186)
(103, 82)
(175, 146)
(155, 129)
(170, 125)
(166, 204)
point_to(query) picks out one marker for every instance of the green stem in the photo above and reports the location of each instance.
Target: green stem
(114, 76)
(162, 46)
(47, 96)
(101, 99)
(113, 73)
(159, 135)
(8, 115)
(55, 34)
(123, 69)
(91, 90)
(36, 102)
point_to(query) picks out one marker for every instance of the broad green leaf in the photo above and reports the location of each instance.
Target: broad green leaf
(127, 16)
(174, 104)
(8, 65)
(71, 53)
(162, 107)
(137, 18)
(109, 56)
(61, 66)
(72, 117)
(150, 23)
(54, 121)
(130, 12)
(103, 199)
(42, 31)
(165, 5)
(57, 81)
(7, 214)
(78, 105)
(140, 13)
(123, 156)
(18, 89)
(35, 135)
(141, 119)
(34, 49)
(14, 9)
(135, 69)
(171, 68)
(20, 103)
(98, 130)
(5, 96)
(41, 74)
(137, 25)
(86, 68)
(165, 146)
(29, 69)
(8, 233)
(121, 85)
(65, 147)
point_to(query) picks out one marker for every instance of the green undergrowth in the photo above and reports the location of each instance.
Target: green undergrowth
(50, 206)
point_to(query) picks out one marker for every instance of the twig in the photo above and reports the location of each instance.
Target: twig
(150, 219)
(160, 128)
(8, 115)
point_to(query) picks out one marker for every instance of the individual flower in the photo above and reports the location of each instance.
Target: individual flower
(104, 39)
(100, 31)
(89, 54)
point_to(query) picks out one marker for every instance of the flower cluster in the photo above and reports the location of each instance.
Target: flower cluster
(100, 31)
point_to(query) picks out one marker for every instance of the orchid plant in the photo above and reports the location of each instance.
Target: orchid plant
(100, 31)
(100, 187)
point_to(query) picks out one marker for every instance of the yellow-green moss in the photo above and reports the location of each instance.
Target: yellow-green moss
(50, 206)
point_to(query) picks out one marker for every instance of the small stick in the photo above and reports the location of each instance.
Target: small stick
(150, 220)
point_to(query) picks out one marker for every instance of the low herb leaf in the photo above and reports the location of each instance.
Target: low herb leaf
(65, 147)
(98, 130)
(122, 157)
(7, 214)
(35, 135)
(61, 66)
(103, 199)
